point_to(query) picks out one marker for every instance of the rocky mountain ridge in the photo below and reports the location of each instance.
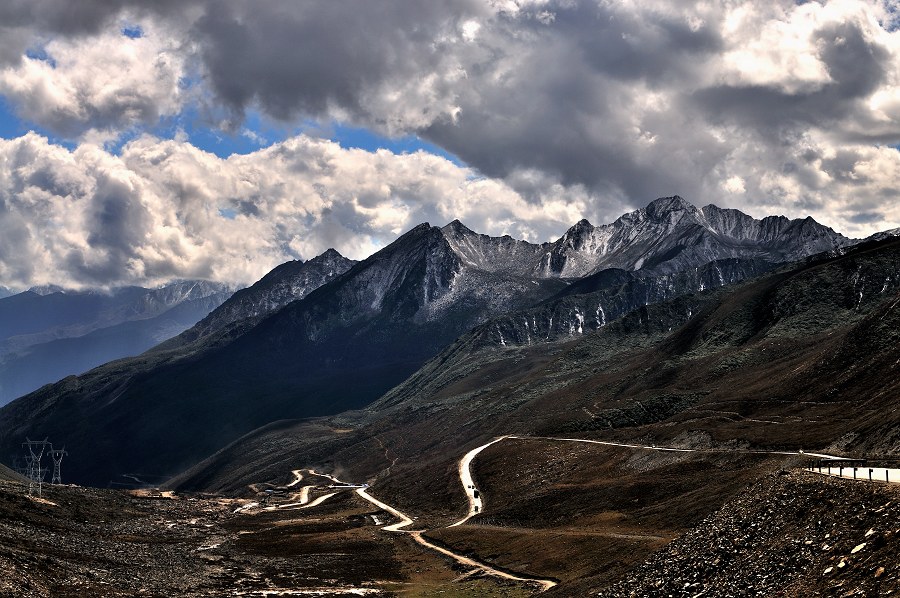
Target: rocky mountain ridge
(290, 281)
(667, 236)
(670, 234)
(339, 347)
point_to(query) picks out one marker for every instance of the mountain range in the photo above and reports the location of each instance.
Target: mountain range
(47, 333)
(328, 335)
(807, 355)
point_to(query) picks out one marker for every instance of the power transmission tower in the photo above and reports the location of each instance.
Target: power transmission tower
(36, 450)
(57, 456)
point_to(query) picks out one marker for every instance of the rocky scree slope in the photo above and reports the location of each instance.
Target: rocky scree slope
(788, 535)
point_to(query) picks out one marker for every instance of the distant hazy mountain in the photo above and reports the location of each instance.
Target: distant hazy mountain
(29, 368)
(5, 292)
(46, 313)
(47, 333)
(264, 356)
(288, 282)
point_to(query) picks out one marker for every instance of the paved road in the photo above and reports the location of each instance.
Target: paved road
(404, 521)
(298, 477)
(476, 498)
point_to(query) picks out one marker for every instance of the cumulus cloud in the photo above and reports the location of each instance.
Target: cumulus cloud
(163, 209)
(384, 63)
(102, 84)
(561, 108)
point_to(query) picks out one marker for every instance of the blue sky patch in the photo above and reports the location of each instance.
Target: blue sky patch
(40, 53)
(361, 138)
(133, 31)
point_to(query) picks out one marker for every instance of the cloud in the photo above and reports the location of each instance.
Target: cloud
(389, 64)
(102, 84)
(164, 209)
(561, 108)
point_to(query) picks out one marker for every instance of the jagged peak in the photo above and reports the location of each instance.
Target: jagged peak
(665, 205)
(578, 229)
(583, 223)
(812, 225)
(458, 227)
(329, 254)
(46, 289)
(712, 208)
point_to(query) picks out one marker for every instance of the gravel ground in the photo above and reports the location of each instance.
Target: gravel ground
(791, 534)
(77, 541)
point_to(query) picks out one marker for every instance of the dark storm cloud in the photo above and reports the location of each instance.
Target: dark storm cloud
(79, 17)
(305, 58)
(559, 109)
(856, 65)
(651, 47)
(568, 107)
(867, 217)
(559, 87)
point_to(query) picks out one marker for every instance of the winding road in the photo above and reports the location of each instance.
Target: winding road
(476, 502)
(476, 498)
(405, 520)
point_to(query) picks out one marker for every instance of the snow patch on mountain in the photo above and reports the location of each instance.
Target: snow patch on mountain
(669, 235)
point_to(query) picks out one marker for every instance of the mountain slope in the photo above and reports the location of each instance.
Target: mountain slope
(260, 358)
(341, 346)
(805, 357)
(49, 333)
(288, 282)
(30, 368)
(787, 535)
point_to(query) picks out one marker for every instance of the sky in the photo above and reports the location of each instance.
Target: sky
(142, 142)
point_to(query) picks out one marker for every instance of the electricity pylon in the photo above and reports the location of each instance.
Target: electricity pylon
(36, 450)
(57, 455)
